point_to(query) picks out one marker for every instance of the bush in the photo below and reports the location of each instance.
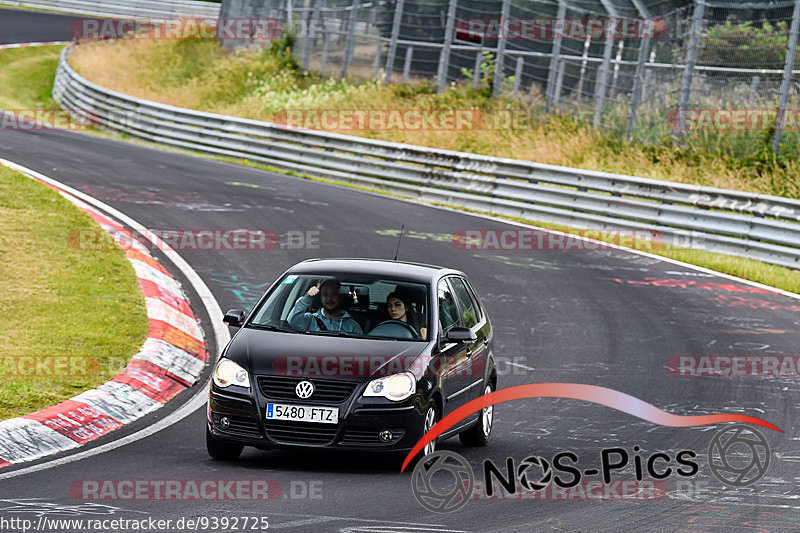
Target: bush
(744, 45)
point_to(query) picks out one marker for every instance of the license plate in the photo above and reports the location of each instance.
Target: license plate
(303, 413)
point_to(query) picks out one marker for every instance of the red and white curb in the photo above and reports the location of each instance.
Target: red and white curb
(171, 359)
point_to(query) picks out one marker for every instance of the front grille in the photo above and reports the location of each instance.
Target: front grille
(301, 432)
(325, 390)
(241, 427)
(370, 437)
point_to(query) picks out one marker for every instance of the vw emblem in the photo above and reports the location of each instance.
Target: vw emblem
(304, 389)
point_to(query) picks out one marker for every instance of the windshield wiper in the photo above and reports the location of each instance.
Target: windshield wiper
(270, 327)
(332, 334)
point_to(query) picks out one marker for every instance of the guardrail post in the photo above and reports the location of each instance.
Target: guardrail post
(398, 18)
(556, 59)
(518, 74)
(351, 37)
(691, 61)
(311, 33)
(407, 64)
(601, 84)
(444, 56)
(501, 49)
(786, 83)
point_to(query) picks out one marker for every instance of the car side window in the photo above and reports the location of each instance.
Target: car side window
(448, 311)
(469, 311)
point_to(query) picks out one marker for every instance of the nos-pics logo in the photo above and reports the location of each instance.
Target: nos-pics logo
(444, 481)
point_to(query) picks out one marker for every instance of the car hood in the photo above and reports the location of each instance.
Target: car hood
(263, 352)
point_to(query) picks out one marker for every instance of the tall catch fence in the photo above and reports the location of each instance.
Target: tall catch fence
(716, 74)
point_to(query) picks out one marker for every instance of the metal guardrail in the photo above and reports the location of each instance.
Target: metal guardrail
(757, 226)
(126, 8)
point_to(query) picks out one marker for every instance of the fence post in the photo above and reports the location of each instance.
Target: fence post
(518, 74)
(786, 83)
(376, 62)
(501, 49)
(398, 17)
(648, 78)
(691, 61)
(351, 37)
(407, 64)
(444, 56)
(601, 85)
(755, 81)
(555, 60)
(476, 74)
(584, 62)
(311, 33)
(559, 81)
(616, 67)
(323, 62)
(638, 75)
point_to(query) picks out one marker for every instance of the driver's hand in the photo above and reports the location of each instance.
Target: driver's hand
(313, 291)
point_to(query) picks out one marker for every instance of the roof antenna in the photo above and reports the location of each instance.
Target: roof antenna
(400, 238)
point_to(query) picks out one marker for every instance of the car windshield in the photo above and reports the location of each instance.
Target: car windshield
(348, 306)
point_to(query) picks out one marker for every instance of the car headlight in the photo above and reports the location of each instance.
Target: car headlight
(229, 373)
(395, 387)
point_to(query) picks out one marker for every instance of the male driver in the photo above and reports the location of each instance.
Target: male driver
(328, 318)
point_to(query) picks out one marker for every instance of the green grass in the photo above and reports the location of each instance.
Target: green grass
(58, 300)
(26, 77)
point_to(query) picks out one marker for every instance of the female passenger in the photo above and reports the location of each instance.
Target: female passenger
(399, 307)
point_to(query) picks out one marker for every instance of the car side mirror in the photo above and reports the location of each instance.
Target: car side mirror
(461, 334)
(235, 317)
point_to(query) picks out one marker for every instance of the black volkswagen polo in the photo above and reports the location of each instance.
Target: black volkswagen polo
(353, 354)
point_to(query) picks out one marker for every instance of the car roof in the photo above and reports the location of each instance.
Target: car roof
(380, 267)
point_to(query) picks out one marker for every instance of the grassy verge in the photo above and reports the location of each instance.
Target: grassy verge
(59, 300)
(775, 276)
(26, 77)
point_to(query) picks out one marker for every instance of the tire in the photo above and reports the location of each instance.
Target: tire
(478, 435)
(221, 450)
(428, 421)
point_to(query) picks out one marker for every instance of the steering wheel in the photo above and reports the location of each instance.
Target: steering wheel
(409, 328)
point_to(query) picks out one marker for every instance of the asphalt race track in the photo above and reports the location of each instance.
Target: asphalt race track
(602, 317)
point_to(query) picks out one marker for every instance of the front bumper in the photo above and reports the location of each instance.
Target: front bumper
(240, 416)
